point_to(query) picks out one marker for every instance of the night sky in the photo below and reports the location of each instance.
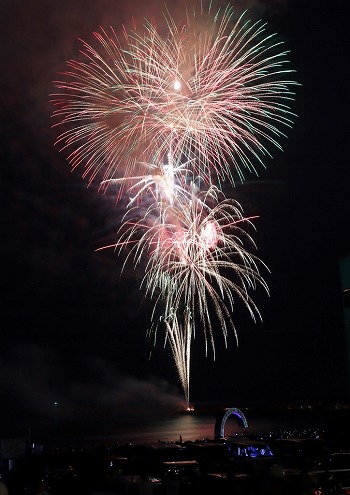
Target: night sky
(72, 329)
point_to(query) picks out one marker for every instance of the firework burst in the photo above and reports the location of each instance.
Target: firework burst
(167, 117)
(215, 89)
(196, 264)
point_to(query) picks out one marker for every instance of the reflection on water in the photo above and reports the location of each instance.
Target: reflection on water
(200, 426)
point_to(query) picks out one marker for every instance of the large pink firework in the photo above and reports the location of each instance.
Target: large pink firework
(214, 87)
(167, 116)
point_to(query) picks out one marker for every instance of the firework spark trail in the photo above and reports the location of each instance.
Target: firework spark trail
(179, 336)
(167, 119)
(167, 183)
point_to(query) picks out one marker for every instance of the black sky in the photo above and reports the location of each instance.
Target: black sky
(72, 329)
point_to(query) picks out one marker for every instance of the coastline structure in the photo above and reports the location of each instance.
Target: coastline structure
(219, 431)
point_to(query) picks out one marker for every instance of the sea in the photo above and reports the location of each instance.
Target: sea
(145, 426)
(200, 425)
